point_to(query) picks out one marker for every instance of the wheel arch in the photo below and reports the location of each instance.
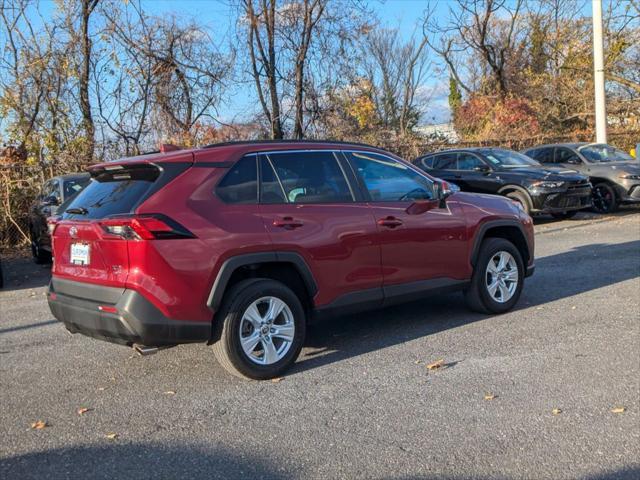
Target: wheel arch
(289, 268)
(516, 188)
(510, 230)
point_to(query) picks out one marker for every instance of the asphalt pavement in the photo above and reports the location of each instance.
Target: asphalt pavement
(531, 394)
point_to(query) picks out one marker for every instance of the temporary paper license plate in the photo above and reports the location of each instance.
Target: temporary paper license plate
(80, 253)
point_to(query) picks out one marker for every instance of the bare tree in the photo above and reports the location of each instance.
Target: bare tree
(486, 29)
(279, 36)
(395, 69)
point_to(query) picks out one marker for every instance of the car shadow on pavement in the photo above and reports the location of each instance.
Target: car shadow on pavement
(563, 275)
(21, 273)
(130, 460)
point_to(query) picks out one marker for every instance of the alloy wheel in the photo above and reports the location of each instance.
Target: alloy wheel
(501, 276)
(267, 330)
(602, 199)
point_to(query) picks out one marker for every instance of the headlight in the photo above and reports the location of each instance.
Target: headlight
(630, 176)
(547, 184)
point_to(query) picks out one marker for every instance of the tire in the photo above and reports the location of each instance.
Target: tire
(39, 255)
(564, 215)
(521, 198)
(604, 198)
(478, 296)
(231, 318)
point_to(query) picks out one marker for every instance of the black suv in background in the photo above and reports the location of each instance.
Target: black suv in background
(55, 192)
(615, 175)
(538, 188)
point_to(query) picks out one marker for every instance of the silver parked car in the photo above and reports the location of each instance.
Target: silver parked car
(614, 174)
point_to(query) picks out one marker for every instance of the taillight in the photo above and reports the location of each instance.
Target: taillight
(148, 227)
(52, 224)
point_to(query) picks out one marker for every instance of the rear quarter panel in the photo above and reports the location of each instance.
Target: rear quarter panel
(180, 273)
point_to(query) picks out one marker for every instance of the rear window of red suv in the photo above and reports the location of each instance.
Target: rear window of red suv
(112, 192)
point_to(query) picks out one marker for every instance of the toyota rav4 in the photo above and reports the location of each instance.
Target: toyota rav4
(239, 245)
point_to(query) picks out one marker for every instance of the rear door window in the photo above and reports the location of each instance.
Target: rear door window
(544, 155)
(468, 161)
(565, 155)
(304, 177)
(113, 191)
(445, 161)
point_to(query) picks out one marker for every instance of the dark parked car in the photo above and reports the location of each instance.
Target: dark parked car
(54, 194)
(615, 175)
(539, 189)
(238, 245)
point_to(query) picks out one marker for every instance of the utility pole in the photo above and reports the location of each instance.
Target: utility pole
(598, 73)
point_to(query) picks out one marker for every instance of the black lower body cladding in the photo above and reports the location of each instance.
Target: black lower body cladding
(137, 320)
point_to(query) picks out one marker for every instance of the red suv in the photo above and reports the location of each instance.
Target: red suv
(239, 245)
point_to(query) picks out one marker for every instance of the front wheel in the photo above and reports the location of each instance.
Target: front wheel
(604, 198)
(521, 198)
(497, 279)
(259, 329)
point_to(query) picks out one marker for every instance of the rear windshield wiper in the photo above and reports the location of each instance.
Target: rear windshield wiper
(77, 210)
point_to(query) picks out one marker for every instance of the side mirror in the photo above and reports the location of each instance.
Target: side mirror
(444, 190)
(482, 168)
(422, 206)
(50, 201)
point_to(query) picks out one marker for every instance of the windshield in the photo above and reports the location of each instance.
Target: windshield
(604, 153)
(509, 159)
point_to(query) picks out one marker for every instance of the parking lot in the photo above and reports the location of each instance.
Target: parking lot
(528, 394)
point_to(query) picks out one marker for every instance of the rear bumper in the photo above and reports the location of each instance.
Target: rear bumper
(137, 320)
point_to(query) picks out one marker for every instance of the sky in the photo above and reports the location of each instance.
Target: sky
(405, 15)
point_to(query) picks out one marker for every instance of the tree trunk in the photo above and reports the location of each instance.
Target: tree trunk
(85, 68)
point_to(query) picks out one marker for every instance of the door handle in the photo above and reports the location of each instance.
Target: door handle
(390, 222)
(288, 223)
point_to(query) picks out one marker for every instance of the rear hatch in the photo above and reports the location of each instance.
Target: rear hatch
(90, 238)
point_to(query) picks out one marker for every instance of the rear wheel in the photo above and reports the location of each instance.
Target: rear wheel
(259, 329)
(497, 279)
(564, 215)
(521, 198)
(604, 198)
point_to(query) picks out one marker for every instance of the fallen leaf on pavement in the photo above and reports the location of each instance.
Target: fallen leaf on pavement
(111, 436)
(618, 410)
(83, 410)
(170, 392)
(489, 396)
(436, 365)
(556, 411)
(277, 379)
(39, 425)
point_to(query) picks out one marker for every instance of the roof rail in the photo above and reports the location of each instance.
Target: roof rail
(257, 142)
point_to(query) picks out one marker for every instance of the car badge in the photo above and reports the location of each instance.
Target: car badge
(73, 231)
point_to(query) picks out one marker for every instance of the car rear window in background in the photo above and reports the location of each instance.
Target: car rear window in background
(113, 192)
